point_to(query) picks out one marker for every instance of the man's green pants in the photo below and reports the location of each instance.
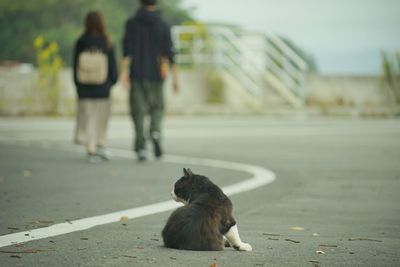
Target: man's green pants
(146, 98)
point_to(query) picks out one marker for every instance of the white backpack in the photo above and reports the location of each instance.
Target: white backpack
(92, 68)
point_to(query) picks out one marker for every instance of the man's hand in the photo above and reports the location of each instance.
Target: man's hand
(124, 76)
(125, 80)
(176, 86)
(175, 83)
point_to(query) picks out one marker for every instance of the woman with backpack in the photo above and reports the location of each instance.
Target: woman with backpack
(95, 72)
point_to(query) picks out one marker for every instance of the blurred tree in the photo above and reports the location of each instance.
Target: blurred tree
(390, 77)
(61, 21)
(173, 12)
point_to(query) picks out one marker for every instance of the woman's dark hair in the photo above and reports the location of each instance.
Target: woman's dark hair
(148, 2)
(94, 25)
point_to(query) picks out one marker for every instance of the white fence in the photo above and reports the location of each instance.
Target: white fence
(252, 58)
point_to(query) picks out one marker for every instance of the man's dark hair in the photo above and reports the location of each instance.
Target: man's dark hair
(148, 2)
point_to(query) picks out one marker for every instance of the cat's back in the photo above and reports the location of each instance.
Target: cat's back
(185, 218)
(191, 227)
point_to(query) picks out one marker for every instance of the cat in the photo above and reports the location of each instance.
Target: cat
(205, 222)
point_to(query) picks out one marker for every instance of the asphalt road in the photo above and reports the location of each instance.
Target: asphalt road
(337, 191)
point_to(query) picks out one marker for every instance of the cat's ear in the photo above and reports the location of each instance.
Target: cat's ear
(187, 172)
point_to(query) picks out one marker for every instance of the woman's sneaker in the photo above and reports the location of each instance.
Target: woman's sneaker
(93, 158)
(103, 153)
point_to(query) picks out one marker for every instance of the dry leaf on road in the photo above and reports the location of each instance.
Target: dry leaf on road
(297, 228)
(124, 219)
(291, 240)
(27, 173)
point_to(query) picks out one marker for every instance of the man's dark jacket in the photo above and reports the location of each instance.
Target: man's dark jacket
(86, 42)
(147, 39)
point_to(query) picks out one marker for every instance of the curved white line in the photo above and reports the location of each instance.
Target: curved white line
(260, 177)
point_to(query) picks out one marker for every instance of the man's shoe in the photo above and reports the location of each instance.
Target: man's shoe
(155, 137)
(157, 149)
(142, 155)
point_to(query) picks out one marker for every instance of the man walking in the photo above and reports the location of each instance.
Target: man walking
(147, 50)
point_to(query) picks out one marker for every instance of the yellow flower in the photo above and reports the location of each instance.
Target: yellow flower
(57, 63)
(38, 42)
(45, 54)
(53, 47)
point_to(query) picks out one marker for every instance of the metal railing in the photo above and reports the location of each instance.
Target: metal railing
(225, 49)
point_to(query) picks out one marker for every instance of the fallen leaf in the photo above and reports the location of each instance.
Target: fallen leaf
(35, 250)
(214, 264)
(15, 256)
(291, 240)
(39, 224)
(320, 252)
(271, 234)
(173, 258)
(297, 228)
(114, 173)
(364, 239)
(124, 219)
(11, 252)
(84, 238)
(46, 222)
(24, 251)
(128, 256)
(27, 173)
(329, 246)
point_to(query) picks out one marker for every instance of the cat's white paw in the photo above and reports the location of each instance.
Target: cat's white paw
(245, 247)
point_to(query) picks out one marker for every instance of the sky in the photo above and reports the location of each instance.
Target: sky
(344, 36)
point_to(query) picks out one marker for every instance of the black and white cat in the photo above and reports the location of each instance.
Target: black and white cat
(205, 222)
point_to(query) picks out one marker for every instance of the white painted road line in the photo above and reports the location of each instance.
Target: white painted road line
(260, 177)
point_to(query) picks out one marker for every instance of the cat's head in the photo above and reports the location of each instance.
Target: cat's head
(189, 186)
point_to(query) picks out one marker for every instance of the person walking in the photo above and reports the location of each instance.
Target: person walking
(147, 53)
(94, 71)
